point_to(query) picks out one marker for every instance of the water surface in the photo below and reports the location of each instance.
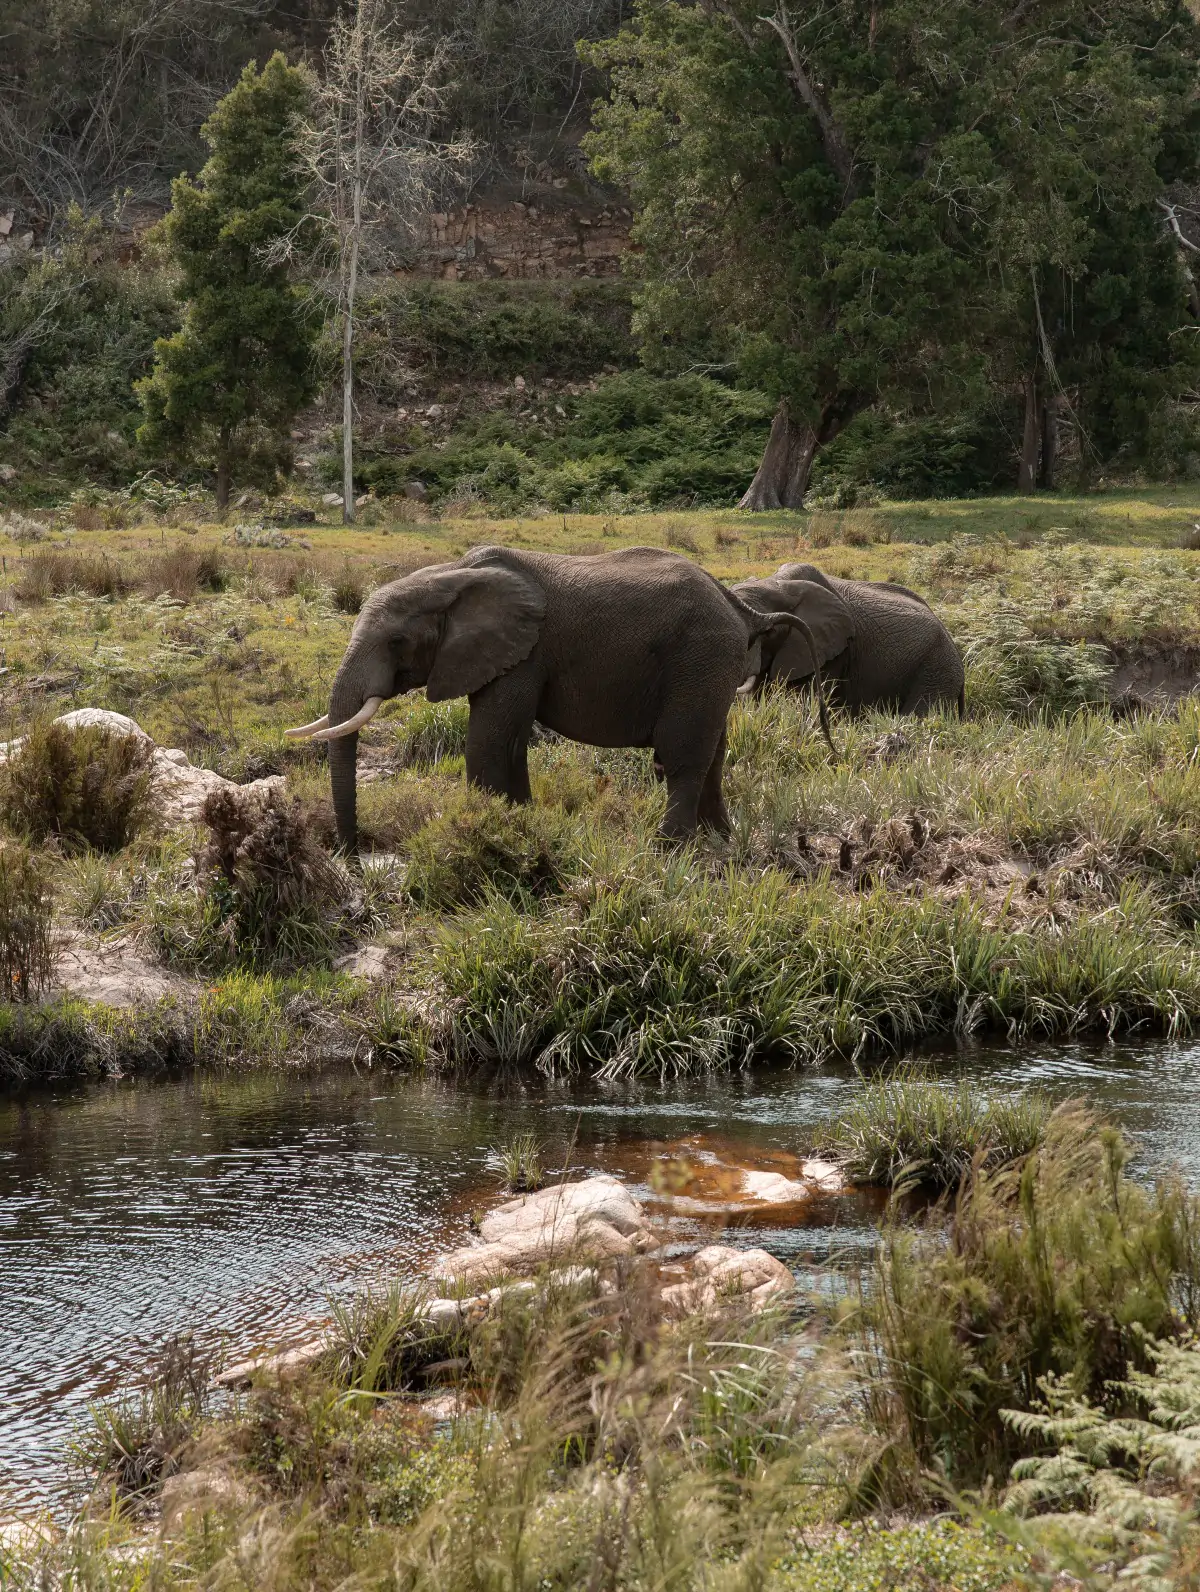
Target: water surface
(235, 1205)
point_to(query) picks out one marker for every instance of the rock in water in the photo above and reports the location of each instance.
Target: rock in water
(720, 1273)
(596, 1219)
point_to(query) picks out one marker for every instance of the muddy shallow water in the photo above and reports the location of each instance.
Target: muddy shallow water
(236, 1205)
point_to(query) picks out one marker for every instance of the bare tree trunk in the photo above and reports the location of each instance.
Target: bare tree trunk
(1031, 441)
(1050, 409)
(781, 480)
(223, 442)
(348, 388)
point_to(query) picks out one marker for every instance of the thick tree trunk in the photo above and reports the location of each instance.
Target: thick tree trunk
(223, 443)
(1031, 441)
(781, 480)
(1050, 408)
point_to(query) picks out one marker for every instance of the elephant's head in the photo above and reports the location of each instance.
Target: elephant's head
(451, 628)
(785, 653)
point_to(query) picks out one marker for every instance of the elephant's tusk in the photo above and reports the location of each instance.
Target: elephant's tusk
(308, 729)
(335, 732)
(747, 685)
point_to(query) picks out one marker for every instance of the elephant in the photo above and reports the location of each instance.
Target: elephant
(879, 644)
(637, 647)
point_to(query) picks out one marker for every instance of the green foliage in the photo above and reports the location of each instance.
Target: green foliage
(909, 1129)
(229, 381)
(832, 207)
(1013, 669)
(26, 921)
(1063, 1264)
(78, 330)
(925, 1554)
(901, 456)
(1110, 1485)
(481, 845)
(637, 439)
(431, 731)
(82, 786)
(490, 331)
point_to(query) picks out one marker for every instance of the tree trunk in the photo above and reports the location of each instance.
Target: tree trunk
(1031, 441)
(348, 385)
(223, 442)
(781, 479)
(1050, 408)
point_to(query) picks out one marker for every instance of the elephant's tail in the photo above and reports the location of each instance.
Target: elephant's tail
(962, 700)
(760, 623)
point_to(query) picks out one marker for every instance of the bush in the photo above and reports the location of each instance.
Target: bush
(26, 917)
(906, 1128)
(480, 845)
(274, 895)
(48, 574)
(1013, 669)
(1062, 1266)
(84, 786)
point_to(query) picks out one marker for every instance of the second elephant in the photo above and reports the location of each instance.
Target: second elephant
(878, 644)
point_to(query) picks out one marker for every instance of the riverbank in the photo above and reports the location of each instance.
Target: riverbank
(1028, 870)
(806, 1442)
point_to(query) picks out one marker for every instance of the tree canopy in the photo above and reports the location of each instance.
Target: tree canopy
(861, 200)
(229, 381)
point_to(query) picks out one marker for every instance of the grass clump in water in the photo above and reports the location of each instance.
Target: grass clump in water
(910, 1129)
(381, 1339)
(137, 1441)
(82, 786)
(521, 1163)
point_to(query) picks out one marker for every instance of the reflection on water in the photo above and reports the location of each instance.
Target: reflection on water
(236, 1204)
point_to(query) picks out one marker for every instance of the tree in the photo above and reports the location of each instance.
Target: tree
(867, 200)
(374, 162)
(228, 383)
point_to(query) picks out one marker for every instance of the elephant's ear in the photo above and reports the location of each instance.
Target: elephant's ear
(492, 624)
(827, 617)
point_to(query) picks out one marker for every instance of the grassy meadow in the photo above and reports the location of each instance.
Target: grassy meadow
(1029, 869)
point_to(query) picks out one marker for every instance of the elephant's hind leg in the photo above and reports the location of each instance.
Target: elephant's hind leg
(711, 812)
(688, 748)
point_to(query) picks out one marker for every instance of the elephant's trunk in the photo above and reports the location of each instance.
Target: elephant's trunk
(344, 702)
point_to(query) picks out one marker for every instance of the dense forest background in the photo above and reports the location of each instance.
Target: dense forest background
(579, 389)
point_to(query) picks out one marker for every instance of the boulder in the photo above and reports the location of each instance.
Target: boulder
(596, 1219)
(816, 1177)
(180, 790)
(284, 1364)
(720, 1274)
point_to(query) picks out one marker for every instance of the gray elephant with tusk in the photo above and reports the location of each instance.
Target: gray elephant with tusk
(880, 645)
(638, 647)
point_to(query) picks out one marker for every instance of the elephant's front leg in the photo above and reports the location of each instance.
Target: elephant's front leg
(711, 812)
(498, 732)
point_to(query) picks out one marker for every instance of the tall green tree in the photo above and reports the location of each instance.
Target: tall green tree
(871, 199)
(225, 387)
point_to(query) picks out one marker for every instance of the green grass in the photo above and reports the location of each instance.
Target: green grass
(908, 1129)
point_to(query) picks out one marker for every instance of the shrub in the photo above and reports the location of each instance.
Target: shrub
(480, 845)
(905, 1127)
(26, 917)
(84, 786)
(275, 896)
(1012, 668)
(1061, 1266)
(349, 590)
(184, 572)
(49, 574)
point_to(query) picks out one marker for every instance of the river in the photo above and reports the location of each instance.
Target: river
(236, 1204)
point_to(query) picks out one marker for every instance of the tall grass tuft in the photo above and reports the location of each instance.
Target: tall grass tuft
(1061, 1265)
(136, 1441)
(380, 1339)
(26, 924)
(82, 786)
(909, 1129)
(479, 845)
(521, 1162)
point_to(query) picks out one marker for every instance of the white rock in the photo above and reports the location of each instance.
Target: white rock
(596, 1219)
(369, 962)
(283, 1364)
(721, 1274)
(22, 1542)
(196, 1492)
(332, 500)
(816, 1177)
